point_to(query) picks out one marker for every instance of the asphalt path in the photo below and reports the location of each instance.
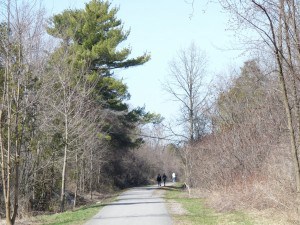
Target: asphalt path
(137, 206)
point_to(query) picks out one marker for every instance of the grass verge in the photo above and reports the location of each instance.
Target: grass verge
(197, 213)
(76, 217)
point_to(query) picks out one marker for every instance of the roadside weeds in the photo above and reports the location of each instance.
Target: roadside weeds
(78, 216)
(186, 210)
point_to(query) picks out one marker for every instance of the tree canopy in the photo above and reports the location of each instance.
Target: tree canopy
(95, 34)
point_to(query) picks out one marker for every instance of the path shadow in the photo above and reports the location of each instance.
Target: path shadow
(132, 203)
(171, 188)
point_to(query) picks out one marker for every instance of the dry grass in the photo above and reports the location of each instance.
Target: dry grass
(261, 185)
(265, 205)
(176, 208)
(273, 217)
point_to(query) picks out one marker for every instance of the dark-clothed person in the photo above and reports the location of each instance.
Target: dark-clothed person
(158, 179)
(164, 177)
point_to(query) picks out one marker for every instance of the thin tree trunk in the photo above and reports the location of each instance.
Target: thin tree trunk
(279, 59)
(76, 179)
(91, 173)
(17, 157)
(99, 174)
(63, 179)
(8, 160)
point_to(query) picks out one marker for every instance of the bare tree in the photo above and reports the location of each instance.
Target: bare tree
(21, 34)
(66, 92)
(186, 84)
(277, 25)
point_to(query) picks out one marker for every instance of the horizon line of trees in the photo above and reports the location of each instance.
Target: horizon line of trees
(65, 126)
(248, 151)
(66, 129)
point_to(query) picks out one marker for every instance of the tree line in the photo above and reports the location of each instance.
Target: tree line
(246, 151)
(65, 126)
(66, 129)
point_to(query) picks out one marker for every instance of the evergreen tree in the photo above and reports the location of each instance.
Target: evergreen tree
(91, 38)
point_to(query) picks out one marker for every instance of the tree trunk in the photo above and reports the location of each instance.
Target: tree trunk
(91, 173)
(279, 59)
(63, 177)
(4, 177)
(76, 179)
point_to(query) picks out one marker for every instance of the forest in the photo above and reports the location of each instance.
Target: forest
(67, 131)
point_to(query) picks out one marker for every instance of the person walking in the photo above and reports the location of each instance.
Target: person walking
(173, 177)
(158, 179)
(164, 177)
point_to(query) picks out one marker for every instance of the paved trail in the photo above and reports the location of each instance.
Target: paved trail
(138, 206)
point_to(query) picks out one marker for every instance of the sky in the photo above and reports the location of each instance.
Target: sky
(162, 28)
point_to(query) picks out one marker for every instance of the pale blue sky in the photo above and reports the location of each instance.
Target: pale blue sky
(162, 28)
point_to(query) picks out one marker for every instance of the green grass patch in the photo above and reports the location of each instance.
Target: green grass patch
(78, 216)
(198, 213)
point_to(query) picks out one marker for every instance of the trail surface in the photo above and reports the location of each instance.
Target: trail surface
(138, 206)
